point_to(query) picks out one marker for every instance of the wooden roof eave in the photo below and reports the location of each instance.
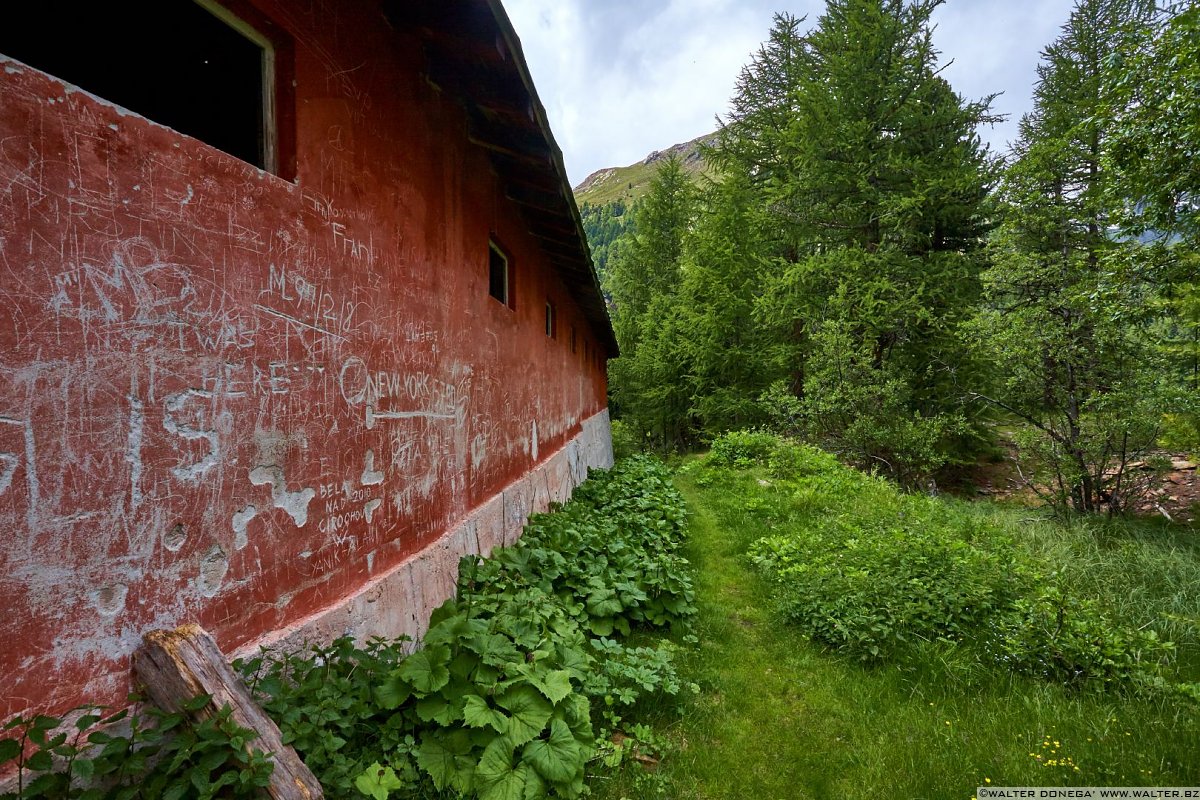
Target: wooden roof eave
(480, 61)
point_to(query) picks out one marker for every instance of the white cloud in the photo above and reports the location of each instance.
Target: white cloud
(620, 78)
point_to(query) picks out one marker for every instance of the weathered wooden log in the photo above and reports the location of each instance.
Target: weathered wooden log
(177, 666)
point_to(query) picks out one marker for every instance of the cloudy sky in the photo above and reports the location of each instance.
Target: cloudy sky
(621, 78)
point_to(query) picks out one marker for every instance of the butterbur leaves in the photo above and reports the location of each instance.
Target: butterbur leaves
(529, 713)
(496, 650)
(497, 704)
(603, 602)
(496, 778)
(445, 756)
(427, 669)
(436, 708)
(555, 685)
(392, 692)
(557, 757)
(478, 714)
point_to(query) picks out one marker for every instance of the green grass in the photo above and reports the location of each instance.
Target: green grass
(779, 717)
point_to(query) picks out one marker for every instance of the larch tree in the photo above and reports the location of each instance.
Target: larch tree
(726, 353)
(1065, 332)
(643, 279)
(880, 206)
(1153, 157)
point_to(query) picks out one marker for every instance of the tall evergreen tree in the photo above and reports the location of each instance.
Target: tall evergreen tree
(1065, 334)
(753, 139)
(647, 383)
(880, 211)
(725, 351)
(1154, 186)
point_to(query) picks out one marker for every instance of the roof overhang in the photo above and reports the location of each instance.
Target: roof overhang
(473, 53)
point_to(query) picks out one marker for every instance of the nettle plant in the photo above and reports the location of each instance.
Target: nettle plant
(146, 753)
(522, 677)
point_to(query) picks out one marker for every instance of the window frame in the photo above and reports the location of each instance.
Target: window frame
(495, 249)
(273, 135)
(269, 129)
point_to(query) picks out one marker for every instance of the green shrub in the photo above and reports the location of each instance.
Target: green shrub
(869, 586)
(516, 671)
(742, 448)
(324, 701)
(624, 439)
(1071, 641)
(158, 755)
(871, 571)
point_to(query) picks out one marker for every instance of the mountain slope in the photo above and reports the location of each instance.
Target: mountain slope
(631, 182)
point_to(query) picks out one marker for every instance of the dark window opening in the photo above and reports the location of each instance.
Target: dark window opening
(173, 62)
(498, 273)
(551, 322)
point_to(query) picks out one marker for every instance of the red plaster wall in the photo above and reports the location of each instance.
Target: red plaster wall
(231, 398)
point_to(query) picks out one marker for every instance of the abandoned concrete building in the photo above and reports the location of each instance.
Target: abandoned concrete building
(297, 310)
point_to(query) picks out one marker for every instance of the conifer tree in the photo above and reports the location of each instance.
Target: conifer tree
(1154, 186)
(646, 381)
(1065, 333)
(726, 352)
(879, 211)
(753, 137)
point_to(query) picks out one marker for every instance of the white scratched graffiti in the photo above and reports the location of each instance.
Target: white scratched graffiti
(432, 398)
(137, 295)
(315, 315)
(176, 405)
(258, 378)
(32, 484)
(135, 286)
(8, 465)
(349, 246)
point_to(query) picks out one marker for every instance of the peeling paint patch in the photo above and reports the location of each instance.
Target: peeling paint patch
(533, 441)
(369, 508)
(173, 406)
(133, 449)
(213, 566)
(8, 465)
(173, 539)
(370, 476)
(110, 600)
(241, 519)
(294, 503)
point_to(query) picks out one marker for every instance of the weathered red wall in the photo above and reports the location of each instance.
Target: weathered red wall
(231, 398)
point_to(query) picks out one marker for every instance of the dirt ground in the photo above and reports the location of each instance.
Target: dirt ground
(1176, 496)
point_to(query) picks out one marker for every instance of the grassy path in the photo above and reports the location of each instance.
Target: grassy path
(779, 719)
(765, 725)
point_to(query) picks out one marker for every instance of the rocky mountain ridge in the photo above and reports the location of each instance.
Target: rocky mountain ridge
(631, 182)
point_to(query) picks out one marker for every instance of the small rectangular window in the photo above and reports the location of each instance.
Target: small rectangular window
(191, 66)
(551, 323)
(498, 278)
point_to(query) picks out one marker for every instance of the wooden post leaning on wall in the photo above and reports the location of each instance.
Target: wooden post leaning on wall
(177, 666)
